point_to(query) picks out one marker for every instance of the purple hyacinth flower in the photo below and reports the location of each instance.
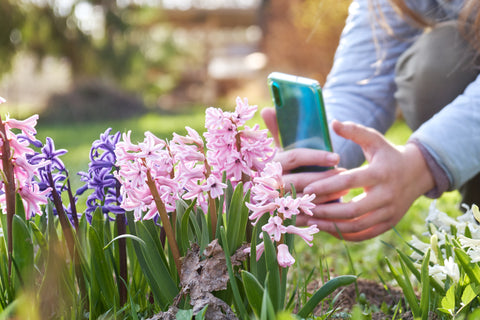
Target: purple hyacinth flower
(100, 179)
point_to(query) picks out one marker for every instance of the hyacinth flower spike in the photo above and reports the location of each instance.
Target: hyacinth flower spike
(106, 195)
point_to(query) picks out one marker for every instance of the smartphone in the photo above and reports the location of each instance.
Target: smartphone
(302, 122)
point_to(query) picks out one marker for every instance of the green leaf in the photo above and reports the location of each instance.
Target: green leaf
(324, 291)
(128, 236)
(268, 310)
(19, 208)
(233, 281)
(237, 218)
(201, 314)
(471, 269)
(425, 282)
(39, 237)
(184, 314)
(158, 280)
(274, 273)
(448, 301)
(406, 288)
(102, 273)
(183, 239)
(470, 292)
(22, 251)
(254, 291)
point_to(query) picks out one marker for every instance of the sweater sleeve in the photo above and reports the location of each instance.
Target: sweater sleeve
(360, 86)
(452, 136)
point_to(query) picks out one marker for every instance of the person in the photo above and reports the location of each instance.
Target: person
(422, 60)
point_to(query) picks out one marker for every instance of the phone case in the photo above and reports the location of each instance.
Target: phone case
(301, 117)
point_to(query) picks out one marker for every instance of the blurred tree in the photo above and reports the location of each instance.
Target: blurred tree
(11, 19)
(301, 36)
(124, 44)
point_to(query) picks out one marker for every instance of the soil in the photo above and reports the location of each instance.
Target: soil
(372, 295)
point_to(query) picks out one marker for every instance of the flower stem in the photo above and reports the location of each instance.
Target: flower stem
(122, 251)
(9, 182)
(165, 221)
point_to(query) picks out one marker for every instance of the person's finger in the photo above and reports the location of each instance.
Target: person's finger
(302, 179)
(357, 207)
(365, 234)
(355, 178)
(269, 116)
(324, 198)
(299, 157)
(360, 224)
(361, 135)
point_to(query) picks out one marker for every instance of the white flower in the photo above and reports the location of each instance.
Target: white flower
(473, 247)
(440, 219)
(450, 269)
(423, 247)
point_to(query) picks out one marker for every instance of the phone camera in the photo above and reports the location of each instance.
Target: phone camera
(276, 95)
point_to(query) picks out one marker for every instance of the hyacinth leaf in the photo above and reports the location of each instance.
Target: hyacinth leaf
(101, 271)
(182, 236)
(329, 287)
(268, 310)
(39, 237)
(258, 268)
(125, 236)
(254, 292)
(471, 269)
(157, 260)
(23, 255)
(233, 281)
(19, 208)
(408, 262)
(274, 282)
(159, 280)
(406, 287)
(237, 218)
(425, 282)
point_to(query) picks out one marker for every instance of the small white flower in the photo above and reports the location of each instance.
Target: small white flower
(452, 270)
(437, 272)
(473, 247)
(440, 219)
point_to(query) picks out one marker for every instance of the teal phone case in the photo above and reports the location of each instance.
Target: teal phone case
(300, 112)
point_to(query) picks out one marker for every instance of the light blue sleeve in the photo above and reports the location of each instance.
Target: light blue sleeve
(360, 86)
(452, 136)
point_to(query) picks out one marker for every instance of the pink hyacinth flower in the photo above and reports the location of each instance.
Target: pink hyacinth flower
(259, 250)
(274, 227)
(214, 186)
(243, 111)
(27, 126)
(2, 100)
(305, 233)
(284, 257)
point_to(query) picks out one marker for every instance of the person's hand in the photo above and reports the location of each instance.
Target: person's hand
(393, 178)
(295, 158)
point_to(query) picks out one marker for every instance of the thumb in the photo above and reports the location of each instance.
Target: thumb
(269, 116)
(365, 137)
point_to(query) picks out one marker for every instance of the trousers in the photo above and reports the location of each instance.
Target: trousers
(436, 69)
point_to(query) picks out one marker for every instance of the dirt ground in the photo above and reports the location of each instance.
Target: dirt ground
(373, 295)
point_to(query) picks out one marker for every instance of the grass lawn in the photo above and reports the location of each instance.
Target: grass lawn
(368, 256)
